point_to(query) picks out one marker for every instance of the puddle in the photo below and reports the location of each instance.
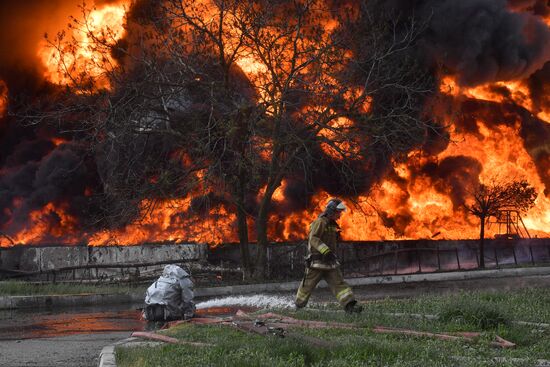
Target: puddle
(32, 324)
(41, 324)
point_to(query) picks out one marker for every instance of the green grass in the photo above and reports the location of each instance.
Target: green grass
(19, 288)
(490, 313)
(480, 315)
(527, 304)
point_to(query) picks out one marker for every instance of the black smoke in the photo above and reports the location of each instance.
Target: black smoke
(455, 177)
(539, 85)
(62, 176)
(479, 41)
(483, 41)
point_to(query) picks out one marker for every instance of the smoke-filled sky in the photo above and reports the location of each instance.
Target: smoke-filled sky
(479, 41)
(482, 40)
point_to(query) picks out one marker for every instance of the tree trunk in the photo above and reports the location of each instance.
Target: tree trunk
(261, 229)
(243, 240)
(239, 193)
(482, 243)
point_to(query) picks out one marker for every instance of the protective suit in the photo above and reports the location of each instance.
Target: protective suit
(170, 297)
(321, 263)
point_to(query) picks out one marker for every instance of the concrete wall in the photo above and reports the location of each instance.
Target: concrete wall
(285, 261)
(41, 258)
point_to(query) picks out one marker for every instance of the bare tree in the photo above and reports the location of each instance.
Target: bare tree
(366, 89)
(489, 199)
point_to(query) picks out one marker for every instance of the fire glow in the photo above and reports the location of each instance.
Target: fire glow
(3, 98)
(406, 205)
(105, 23)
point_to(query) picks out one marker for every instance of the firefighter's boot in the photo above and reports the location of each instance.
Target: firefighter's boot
(353, 307)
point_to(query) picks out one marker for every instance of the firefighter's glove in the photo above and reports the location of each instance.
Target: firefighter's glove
(308, 261)
(329, 257)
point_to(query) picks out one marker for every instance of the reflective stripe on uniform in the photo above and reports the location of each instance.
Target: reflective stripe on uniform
(323, 266)
(346, 292)
(323, 249)
(301, 296)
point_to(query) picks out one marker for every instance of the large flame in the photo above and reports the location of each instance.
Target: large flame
(80, 52)
(411, 209)
(341, 146)
(47, 224)
(417, 209)
(165, 222)
(516, 92)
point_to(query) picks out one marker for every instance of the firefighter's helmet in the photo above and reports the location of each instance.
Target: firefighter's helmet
(335, 205)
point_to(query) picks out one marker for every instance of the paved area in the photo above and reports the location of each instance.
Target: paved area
(70, 351)
(63, 337)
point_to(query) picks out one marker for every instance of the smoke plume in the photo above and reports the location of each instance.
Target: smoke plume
(483, 41)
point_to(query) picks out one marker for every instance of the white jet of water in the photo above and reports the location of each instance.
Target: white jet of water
(259, 301)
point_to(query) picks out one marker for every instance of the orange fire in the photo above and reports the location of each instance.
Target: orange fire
(58, 141)
(408, 208)
(341, 146)
(416, 209)
(47, 224)
(81, 52)
(164, 221)
(3, 98)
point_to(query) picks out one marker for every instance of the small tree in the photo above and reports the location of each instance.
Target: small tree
(489, 199)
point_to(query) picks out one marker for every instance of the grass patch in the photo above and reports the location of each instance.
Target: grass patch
(472, 311)
(526, 304)
(479, 315)
(237, 348)
(20, 288)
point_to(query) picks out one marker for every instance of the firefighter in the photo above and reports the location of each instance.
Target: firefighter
(321, 263)
(170, 297)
